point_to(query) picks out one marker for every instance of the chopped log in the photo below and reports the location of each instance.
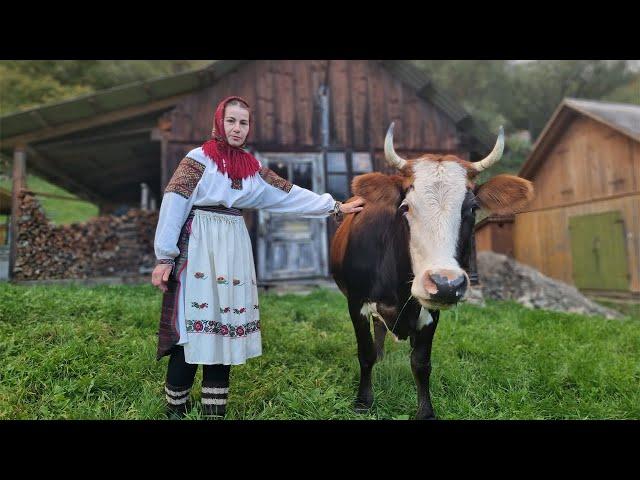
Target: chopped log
(104, 246)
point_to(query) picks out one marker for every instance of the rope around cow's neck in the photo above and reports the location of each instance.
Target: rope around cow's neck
(398, 318)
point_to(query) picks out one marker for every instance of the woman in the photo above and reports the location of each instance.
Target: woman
(210, 310)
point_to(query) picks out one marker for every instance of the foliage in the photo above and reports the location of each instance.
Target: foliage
(28, 83)
(629, 93)
(89, 353)
(539, 87)
(20, 90)
(477, 85)
(523, 95)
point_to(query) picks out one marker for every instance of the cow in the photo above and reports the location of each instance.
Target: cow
(405, 256)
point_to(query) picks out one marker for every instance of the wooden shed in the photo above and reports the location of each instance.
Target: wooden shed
(495, 233)
(584, 225)
(317, 123)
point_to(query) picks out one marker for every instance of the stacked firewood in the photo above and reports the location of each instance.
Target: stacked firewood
(104, 246)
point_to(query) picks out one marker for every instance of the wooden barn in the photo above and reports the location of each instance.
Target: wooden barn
(317, 123)
(495, 234)
(584, 225)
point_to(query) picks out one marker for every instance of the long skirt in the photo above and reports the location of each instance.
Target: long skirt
(212, 307)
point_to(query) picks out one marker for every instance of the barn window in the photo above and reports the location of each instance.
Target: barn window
(361, 162)
(342, 167)
(336, 162)
(338, 186)
(337, 175)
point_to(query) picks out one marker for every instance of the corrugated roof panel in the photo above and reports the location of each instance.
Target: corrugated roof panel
(20, 123)
(104, 101)
(174, 86)
(623, 115)
(66, 112)
(117, 99)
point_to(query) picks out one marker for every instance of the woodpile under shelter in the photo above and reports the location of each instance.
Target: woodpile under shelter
(317, 123)
(584, 225)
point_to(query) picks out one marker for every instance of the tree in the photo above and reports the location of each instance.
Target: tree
(25, 84)
(523, 95)
(629, 93)
(537, 88)
(476, 84)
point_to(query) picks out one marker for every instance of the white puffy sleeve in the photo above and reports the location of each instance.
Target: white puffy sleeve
(177, 201)
(281, 196)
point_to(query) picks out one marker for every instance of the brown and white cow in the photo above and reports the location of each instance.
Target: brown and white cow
(403, 257)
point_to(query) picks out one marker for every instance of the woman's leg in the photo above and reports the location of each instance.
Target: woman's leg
(180, 375)
(215, 389)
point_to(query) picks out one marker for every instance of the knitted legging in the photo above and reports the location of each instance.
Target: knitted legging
(180, 376)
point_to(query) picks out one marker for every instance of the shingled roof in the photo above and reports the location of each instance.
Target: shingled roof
(46, 117)
(622, 117)
(117, 123)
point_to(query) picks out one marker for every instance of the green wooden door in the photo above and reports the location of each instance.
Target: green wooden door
(599, 251)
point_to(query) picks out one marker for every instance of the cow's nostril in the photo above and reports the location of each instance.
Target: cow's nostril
(449, 290)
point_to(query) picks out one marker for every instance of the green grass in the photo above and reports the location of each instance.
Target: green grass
(59, 211)
(89, 353)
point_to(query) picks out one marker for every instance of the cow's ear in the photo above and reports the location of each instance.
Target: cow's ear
(504, 194)
(404, 183)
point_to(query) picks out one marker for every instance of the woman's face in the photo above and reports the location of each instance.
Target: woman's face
(236, 124)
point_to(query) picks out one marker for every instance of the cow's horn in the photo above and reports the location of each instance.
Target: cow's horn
(390, 154)
(494, 156)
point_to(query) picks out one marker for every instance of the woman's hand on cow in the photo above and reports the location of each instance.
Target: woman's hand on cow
(353, 206)
(160, 275)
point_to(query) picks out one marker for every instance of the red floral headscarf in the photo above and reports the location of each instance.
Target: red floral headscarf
(234, 161)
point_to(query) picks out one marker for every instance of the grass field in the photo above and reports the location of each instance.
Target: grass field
(89, 353)
(58, 211)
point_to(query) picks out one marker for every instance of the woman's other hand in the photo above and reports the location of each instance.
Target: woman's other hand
(353, 206)
(160, 275)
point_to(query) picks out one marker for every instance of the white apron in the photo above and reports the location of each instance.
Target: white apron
(221, 296)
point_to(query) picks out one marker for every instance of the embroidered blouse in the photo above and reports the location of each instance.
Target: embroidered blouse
(197, 182)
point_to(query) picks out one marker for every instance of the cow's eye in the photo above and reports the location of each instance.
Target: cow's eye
(404, 207)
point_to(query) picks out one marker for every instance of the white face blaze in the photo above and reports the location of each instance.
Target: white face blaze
(434, 219)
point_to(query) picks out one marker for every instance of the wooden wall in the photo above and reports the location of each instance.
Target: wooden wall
(364, 98)
(541, 238)
(590, 160)
(495, 237)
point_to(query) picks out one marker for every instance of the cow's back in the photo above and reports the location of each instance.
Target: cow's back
(370, 254)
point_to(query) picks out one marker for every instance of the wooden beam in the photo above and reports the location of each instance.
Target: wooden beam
(18, 180)
(128, 167)
(96, 138)
(52, 171)
(91, 122)
(35, 114)
(165, 172)
(147, 90)
(94, 105)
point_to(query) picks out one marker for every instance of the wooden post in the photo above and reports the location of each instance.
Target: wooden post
(161, 134)
(144, 196)
(164, 163)
(19, 182)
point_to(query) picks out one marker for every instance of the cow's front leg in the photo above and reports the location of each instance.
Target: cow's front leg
(421, 365)
(379, 334)
(366, 357)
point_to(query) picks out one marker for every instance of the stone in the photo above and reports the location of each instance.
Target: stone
(502, 278)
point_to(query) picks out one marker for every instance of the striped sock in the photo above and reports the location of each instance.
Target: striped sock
(177, 398)
(214, 399)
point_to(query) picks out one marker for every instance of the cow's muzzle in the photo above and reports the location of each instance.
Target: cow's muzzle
(444, 287)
